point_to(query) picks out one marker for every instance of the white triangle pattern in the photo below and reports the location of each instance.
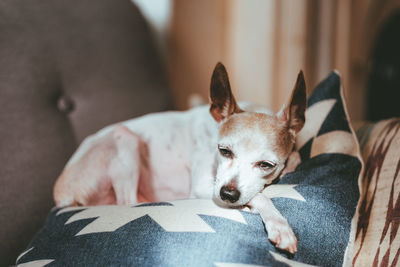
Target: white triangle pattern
(283, 190)
(332, 142)
(182, 216)
(315, 117)
(38, 263)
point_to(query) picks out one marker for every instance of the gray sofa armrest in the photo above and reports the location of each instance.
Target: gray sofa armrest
(66, 70)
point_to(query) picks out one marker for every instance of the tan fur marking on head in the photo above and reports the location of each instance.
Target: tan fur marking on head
(270, 127)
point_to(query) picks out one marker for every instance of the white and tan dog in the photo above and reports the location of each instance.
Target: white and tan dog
(230, 156)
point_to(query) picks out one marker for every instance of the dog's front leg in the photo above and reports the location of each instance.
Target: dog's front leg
(279, 231)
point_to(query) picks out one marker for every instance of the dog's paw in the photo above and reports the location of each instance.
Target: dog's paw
(281, 234)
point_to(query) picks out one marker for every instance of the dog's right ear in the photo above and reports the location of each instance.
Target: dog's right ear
(223, 103)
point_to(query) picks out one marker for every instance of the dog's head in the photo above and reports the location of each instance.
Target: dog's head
(252, 147)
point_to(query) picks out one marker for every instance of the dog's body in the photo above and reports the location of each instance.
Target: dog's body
(177, 155)
(229, 156)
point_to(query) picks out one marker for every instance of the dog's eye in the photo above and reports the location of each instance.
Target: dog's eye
(225, 152)
(266, 165)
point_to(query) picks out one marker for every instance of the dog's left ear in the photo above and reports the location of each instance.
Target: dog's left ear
(223, 103)
(293, 113)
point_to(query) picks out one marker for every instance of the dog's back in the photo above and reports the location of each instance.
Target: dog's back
(161, 145)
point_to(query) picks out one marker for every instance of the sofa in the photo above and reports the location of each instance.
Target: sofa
(342, 203)
(92, 64)
(66, 70)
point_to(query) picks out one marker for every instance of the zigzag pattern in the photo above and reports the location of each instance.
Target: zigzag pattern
(110, 218)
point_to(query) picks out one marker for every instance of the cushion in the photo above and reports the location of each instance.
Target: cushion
(377, 239)
(319, 201)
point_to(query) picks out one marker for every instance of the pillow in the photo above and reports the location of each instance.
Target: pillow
(318, 199)
(377, 239)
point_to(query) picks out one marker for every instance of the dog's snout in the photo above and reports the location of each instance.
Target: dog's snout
(229, 193)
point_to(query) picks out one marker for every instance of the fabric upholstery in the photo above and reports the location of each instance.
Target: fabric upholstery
(66, 70)
(378, 239)
(319, 200)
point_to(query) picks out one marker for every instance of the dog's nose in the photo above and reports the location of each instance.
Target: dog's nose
(229, 193)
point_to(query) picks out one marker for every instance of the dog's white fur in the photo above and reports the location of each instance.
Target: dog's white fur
(174, 155)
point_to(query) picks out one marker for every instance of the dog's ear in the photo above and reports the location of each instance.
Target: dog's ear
(223, 103)
(294, 113)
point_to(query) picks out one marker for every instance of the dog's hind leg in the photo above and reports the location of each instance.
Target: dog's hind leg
(104, 170)
(124, 169)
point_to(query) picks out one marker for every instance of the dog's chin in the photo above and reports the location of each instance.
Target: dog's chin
(224, 204)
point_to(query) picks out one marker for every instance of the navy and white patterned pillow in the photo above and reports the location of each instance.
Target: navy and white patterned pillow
(318, 199)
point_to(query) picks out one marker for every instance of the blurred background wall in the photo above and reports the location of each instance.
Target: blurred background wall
(264, 43)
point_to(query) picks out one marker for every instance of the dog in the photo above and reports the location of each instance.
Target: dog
(230, 157)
